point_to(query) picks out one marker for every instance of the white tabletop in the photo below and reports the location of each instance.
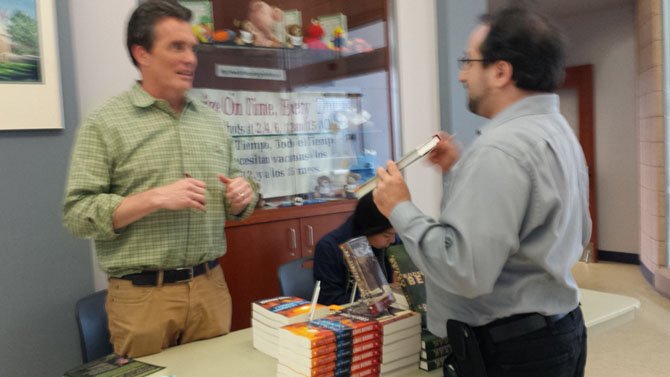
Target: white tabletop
(233, 355)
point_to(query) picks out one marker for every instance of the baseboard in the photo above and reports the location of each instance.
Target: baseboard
(615, 256)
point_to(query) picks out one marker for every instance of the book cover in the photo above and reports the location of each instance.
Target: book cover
(116, 366)
(432, 364)
(352, 353)
(430, 341)
(327, 352)
(410, 277)
(363, 265)
(371, 371)
(337, 367)
(404, 162)
(285, 310)
(308, 336)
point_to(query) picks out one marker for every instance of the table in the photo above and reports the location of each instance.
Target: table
(233, 355)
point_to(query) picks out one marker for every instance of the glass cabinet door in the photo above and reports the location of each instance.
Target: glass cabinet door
(309, 124)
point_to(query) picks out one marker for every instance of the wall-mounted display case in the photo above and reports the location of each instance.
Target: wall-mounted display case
(309, 125)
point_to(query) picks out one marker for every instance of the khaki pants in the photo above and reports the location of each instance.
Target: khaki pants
(144, 320)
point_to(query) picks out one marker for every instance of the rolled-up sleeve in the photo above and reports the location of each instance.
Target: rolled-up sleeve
(89, 205)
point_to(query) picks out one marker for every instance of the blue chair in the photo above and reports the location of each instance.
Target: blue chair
(92, 323)
(296, 278)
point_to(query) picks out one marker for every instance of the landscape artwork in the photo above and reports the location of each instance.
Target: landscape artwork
(19, 42)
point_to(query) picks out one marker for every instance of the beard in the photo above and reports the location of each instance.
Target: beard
(473, 104)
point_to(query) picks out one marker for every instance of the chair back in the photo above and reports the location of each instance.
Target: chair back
(93, 328)
(296, 278)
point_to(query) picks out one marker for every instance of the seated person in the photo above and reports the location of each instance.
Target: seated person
(329, 264)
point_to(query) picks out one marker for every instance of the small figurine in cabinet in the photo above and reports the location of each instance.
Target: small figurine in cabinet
(324, 188)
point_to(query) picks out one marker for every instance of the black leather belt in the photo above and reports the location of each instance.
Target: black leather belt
(177, 275)
(516, 326)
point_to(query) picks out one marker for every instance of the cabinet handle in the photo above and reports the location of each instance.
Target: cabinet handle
(293, 241)
(310, 236)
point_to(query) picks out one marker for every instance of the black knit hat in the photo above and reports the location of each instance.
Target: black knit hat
(367, 218)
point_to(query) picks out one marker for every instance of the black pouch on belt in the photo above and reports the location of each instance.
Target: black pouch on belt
(466, 358)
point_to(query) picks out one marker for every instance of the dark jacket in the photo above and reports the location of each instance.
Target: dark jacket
(331, 270)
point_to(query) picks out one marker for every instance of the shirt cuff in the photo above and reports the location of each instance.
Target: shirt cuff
(107, 231)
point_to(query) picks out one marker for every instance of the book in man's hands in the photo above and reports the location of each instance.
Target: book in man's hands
(376, 293)
(404, 162)
(116, 366)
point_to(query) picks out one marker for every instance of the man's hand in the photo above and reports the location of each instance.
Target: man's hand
(446, 152)
(391, 189)
(182, 194)
(238, 193)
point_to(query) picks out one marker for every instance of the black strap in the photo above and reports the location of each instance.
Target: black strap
(465, 348)
(177, 275)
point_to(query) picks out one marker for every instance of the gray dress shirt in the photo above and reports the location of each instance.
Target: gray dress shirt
(516, 220)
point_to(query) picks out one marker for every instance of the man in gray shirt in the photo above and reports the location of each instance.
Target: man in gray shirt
(498, 259)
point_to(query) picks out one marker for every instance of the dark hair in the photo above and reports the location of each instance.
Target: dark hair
(530, 43)
(143, 21)
(367, 218)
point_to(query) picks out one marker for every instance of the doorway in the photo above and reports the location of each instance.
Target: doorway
(577, 106)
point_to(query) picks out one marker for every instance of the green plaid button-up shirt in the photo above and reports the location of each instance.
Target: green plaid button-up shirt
(134, 143)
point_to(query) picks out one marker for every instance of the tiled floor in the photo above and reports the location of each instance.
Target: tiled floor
(639, 348)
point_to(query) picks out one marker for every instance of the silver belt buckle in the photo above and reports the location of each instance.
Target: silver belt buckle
(190, 274)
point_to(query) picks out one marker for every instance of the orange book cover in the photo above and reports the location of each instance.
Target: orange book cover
(310, 336)
(287, 309)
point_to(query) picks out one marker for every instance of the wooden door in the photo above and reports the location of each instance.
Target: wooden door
(315, 227)
(579, 80)
(250, 265)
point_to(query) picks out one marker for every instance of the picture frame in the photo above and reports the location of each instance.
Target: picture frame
(30, 101)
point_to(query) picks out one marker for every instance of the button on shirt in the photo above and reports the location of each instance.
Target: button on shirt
(134, 143)
(514, 223)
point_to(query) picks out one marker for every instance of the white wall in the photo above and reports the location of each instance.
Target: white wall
(418, 85)
(102, 66)
(606, 39)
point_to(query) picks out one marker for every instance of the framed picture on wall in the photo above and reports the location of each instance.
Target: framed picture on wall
(30, 88)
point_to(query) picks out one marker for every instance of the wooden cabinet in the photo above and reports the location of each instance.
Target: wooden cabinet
(269, 238)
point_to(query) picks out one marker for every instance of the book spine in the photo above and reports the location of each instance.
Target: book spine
(432, 342)
(436, 352)
(432, 364)
(343, 340)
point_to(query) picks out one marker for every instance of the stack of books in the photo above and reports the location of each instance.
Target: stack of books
(347, 344)
(268, 315)
(401, 341)
(331, 346)
(434, 350)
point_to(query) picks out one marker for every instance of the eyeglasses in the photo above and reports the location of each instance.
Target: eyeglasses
(465, 63)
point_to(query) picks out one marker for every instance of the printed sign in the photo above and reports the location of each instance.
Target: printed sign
(288, 141)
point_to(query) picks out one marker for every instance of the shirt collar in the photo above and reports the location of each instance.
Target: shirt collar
(531, 105)
(140, 98)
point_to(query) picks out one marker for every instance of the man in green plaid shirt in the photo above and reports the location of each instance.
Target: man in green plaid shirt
(152, 180)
